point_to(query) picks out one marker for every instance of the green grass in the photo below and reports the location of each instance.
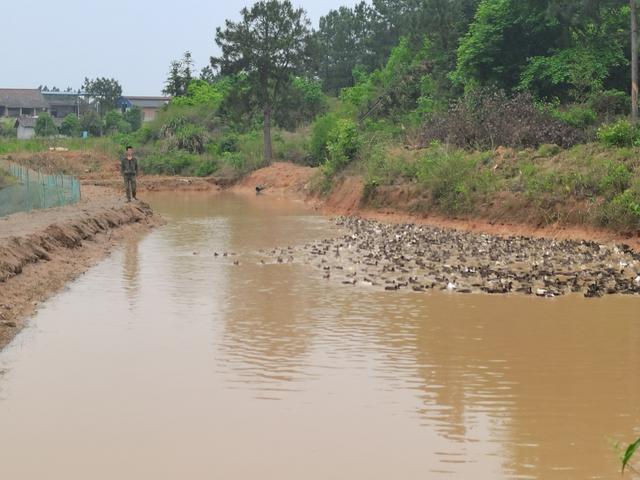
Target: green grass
(592, 183)
(106, 145)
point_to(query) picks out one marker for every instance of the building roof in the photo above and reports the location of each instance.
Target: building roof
(147, 102)
(22, 98)
(61, 98)
(30, 122)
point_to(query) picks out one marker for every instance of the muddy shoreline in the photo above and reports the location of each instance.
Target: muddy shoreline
(41, 251)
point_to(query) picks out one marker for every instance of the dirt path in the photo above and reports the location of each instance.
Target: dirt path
(41, 251)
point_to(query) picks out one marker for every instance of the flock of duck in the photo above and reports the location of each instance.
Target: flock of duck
(421, 258)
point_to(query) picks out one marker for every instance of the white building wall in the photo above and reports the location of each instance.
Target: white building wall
(26, 133)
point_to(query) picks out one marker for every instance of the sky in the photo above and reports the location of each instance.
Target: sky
(59, 43)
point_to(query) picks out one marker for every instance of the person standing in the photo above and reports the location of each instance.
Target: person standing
(129, 171)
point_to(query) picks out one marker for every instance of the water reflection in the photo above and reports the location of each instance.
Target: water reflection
(131, 270)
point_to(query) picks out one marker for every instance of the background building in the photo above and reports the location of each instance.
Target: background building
(18, 102)
(148, 105)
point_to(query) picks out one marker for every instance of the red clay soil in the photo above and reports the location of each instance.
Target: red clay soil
(278, 178)
(41, 251)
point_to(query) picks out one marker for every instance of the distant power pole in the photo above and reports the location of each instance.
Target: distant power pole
(634, 60)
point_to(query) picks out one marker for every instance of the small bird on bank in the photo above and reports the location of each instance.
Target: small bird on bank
(259, 189)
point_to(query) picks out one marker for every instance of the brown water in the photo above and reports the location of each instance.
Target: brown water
(164, 364)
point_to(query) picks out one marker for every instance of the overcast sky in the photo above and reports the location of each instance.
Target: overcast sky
(59, 42)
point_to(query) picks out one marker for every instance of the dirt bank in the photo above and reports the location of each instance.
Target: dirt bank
(347, 196)
(395, 204)
(42, 250)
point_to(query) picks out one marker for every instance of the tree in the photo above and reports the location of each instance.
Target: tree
(71, 125)
(343, 42)
(91, 122)
(208, 75)
(105, 92)
(303, 101)
(173, 85)
(133, 117)
(187, 70)
(554, 48)
(180, 76)
(45, 126)
(634, 60)
(269, 45)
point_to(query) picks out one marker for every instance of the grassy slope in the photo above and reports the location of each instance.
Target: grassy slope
(586, 185)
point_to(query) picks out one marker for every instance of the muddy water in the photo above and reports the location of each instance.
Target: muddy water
(166, 361)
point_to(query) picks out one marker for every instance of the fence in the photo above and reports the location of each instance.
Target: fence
(35, 190)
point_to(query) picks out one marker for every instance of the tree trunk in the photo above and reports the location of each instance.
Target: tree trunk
(267, 135)
(634, 61)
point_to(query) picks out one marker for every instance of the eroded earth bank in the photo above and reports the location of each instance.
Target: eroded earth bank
(42, 250)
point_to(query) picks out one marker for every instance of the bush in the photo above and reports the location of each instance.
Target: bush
(610, 103)
(578, 116)
(133, 116)
(190, 138)
(485, 119)
(342, 146)
(320, 138)
(454, 179)
(91, 122)
(45, 126)
(623, 211)
(7, 129)
(619, 134)
(178, 163)
(71, 126)
(616, 181)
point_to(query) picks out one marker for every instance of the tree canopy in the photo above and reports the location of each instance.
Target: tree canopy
(269, 45)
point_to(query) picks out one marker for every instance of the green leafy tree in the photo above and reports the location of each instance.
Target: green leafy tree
(104, 92)
(71, 125)
(343, 44)
(551, 47)
(180, 76)
(200, 92)
(173, 86)
(208, 75)
(133, 117)
(269, 45)
(45, 126)
(111, 121)
(91, 122)
(303, 101)
(187, 69)
(503, 36)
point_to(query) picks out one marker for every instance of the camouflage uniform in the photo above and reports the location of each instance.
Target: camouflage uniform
(129, 170)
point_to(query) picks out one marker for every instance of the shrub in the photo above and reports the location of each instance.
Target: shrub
(228, 144)
(616, 181)
(320, 137)
(190, 138)
(7, 129)
(485, 119)
(177, 163)
(342, 146)
(454, 179)
(578, 116)
(134, 117)
(45, 126)
(610, 103)
(71, 126)
(91, 122)
(623, 211)
(619, 134)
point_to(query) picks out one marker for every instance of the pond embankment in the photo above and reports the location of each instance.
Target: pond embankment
(42, 250)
